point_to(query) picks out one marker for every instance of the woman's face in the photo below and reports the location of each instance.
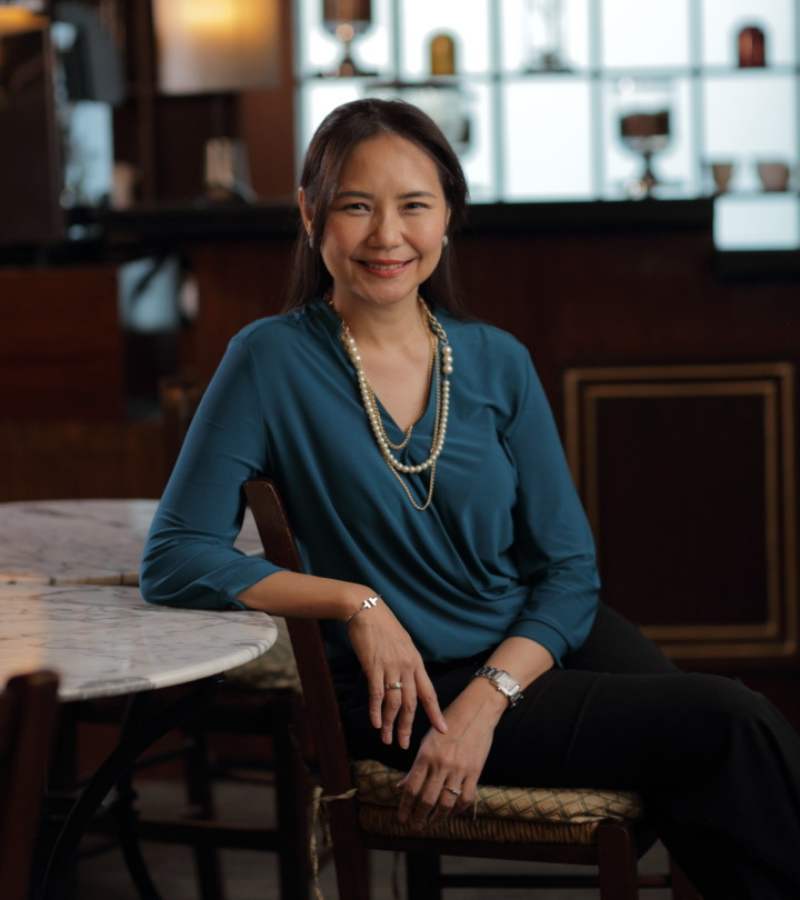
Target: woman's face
(384, 228)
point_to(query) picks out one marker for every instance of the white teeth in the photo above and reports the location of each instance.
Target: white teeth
(384, 268)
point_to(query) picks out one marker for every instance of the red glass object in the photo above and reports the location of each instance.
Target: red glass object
(752, 48)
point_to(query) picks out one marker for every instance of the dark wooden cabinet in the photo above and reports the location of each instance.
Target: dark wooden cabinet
(687, 475)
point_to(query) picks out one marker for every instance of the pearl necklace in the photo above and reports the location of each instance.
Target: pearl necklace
(442, 352)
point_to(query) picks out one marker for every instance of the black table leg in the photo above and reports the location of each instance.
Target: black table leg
(139, 732)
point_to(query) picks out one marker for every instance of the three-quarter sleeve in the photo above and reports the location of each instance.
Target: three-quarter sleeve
(189, 557)
(553, 541)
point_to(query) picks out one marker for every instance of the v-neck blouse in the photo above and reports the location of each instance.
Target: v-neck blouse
(504, 548)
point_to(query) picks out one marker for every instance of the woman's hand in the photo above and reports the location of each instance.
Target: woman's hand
(388, 656)
(446, 771)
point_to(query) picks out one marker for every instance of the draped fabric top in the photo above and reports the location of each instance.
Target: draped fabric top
(504, 548)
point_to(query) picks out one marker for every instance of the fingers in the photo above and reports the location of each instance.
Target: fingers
(395, 672)
(430, 702)
(405, 719)
(411, 785)
(399, 706)
(449, 802)
(392, 704)
(429, 799)
(376, 692)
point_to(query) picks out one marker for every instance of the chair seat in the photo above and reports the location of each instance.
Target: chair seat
(270, 671)
(544, 815)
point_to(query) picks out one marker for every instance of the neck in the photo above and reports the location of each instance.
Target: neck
(383, 327)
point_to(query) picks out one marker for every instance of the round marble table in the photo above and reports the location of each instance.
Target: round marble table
(104, 641)
(83, 541)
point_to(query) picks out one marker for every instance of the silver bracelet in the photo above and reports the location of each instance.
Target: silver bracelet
(367, 604)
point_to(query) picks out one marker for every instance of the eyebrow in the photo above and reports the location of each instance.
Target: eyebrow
(366, 196)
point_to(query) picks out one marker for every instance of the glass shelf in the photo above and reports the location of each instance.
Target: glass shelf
(537, 93)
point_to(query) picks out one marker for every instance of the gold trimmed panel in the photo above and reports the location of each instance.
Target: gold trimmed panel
(586, 389)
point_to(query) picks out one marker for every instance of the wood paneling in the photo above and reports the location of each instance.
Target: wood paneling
(61, 345)
(613, 297)
(74, 460)
(238, 283)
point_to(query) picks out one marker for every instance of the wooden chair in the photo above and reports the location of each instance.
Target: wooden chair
(600, 828)
(28, 712)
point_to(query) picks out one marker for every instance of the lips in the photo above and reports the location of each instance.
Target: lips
(384, 267)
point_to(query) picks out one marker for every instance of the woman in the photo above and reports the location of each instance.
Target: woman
(452, 564)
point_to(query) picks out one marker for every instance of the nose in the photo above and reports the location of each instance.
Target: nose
(386, 230)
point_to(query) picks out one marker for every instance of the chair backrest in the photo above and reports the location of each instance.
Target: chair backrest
(319, 695)
(28, 712)
(307, 642)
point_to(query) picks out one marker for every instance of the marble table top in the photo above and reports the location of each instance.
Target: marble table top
(82, 541)
(105, 640)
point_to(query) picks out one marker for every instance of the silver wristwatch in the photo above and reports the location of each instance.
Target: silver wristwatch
(503, 682)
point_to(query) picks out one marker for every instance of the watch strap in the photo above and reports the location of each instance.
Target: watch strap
(503, 682)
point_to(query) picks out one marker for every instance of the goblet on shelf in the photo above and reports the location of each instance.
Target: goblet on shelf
(347, 19)
(645, 133)
(644, 112)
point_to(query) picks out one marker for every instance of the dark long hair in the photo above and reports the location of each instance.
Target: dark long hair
(342, 130)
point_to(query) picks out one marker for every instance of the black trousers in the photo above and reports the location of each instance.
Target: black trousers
(716, 763)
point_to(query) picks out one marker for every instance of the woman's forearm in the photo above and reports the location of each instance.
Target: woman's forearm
(523, 659)
(383, 647)
(306, 596)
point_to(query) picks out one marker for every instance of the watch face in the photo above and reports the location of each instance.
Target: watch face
(506, 682)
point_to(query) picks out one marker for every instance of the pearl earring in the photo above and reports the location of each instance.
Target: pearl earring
(445, 240)
(310, 240)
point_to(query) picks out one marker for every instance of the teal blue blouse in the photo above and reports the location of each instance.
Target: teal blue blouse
(504, 549)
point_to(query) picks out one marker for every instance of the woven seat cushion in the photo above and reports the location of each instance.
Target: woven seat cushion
(272, 670)
(543, 815)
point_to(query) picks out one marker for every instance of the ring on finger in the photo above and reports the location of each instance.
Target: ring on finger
(457, 791)
(394, 686)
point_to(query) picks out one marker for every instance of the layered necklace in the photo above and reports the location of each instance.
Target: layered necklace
(440, 367)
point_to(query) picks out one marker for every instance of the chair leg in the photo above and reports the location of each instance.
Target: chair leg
(199, 789)
(352, 872)
(617, 863)
(292, 800)
(682, 888)
(422, 876)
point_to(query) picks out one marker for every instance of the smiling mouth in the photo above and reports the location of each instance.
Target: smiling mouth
(383, 265)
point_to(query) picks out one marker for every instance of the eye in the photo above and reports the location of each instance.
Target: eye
(416, 204)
